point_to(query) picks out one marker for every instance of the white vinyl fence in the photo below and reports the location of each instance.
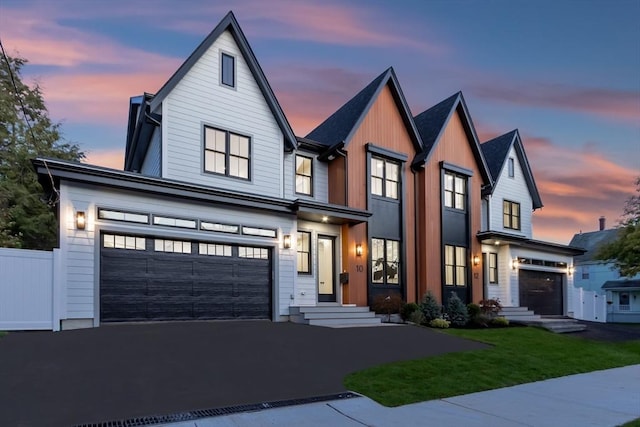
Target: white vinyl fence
(28, 290)
(589, 305)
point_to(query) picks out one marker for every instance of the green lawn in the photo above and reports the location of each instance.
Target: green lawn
(520, 355)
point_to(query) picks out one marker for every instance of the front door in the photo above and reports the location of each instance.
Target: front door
(326, 269)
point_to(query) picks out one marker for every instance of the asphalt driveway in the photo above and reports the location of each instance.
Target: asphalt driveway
(119, 372)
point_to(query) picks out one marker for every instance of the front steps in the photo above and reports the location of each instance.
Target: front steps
(559, 325)
(338, 316)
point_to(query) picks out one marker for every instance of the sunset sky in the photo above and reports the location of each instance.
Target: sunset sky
(565, 73)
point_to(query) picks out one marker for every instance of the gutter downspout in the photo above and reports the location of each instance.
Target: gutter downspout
(417, 236)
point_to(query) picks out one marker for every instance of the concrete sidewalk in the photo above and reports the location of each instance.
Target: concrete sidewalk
(603, 398)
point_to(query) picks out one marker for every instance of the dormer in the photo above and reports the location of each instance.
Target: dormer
(513, 195)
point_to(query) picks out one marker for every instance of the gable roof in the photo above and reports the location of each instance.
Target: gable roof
(432, 122)
(592, 241)
(342, 125)
(622, 285)
(229, 23)
(141, 126)
(495, 152)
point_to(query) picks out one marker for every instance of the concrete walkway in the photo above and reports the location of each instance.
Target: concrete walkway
(603, 398)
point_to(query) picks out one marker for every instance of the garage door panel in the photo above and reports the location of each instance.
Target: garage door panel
(541, 291)
(150, 285)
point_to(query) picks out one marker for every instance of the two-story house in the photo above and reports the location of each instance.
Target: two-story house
(519, 270)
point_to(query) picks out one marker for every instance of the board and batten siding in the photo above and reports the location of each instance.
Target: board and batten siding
(200, 99)
(319, 178)
(152, 159)
(513, 189)
(502, 289)
(82, 251)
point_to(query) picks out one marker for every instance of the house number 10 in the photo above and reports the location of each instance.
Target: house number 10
(359, 268)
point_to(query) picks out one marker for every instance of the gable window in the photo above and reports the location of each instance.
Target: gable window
(512, 167)
(511, 215)
(455, 265)
(304, 252)
(228, 70)
(385, 261)
(226, 153)
(304, 175)
(493, 267)
(384, 178)
(455, 190)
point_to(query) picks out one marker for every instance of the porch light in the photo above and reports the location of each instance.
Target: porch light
(514, 263)
(570, 270)
(286, 241)
(476, 260)
(325, 218)
(358, 249)
(80, 220)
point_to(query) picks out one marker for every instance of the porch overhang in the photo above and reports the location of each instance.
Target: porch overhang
(498, 238)
(622, 285)
(329, 214)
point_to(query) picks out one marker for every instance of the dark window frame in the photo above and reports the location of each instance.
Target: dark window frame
(508, 216)
(227, 153)
(386, 263)
(511, 167)
(384, 179)
(224, 75)
(454, 191)
(459, 268)
(492, 262)
(307, 253)
(310, 176)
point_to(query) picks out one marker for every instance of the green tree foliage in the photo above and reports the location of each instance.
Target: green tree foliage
(457, 311)
(430, 307)
(625, 251)
(26, 221)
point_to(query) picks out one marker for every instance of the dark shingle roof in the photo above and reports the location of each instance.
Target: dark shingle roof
(625, 284)
(591, 242)
(431, 122)
(495, 152)
(337, 127)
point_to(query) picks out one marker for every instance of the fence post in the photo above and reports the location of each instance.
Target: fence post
(56, 284)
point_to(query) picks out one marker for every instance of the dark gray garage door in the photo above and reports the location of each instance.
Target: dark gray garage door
(541, 291)
(144, 278)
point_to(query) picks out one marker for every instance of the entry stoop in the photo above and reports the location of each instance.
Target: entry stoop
(339, 316)
(559, 325)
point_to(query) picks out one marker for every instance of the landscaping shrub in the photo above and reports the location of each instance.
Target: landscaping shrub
(439, 323)
(457, 311)
(490, 307)
(499, 322)
(430, 307)
(473, 310)
(407, 310)
(417, 317)
(387, 304)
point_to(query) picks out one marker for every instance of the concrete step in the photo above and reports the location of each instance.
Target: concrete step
(523, 319)
(370, 321)
(513, 309)
(340, 315)
(327, 309)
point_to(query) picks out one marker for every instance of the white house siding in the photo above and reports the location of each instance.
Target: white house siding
(307, 284)
(199, 99)
(320, 178)
(513, 189)
(151, 164)
(502, 289)
(81, 251)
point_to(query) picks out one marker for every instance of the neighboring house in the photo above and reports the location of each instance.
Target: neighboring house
(223, 213)
(601, 277)
(519, 270)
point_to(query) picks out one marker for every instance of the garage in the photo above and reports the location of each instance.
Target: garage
(151, 278)
(541, 291)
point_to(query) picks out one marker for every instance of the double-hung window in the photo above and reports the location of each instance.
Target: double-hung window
(226, 153)
(455, 190)
(304, 175)
(493, 267)
(511, 215)
(304, 252)
(385, 261)
(455, 265)
(385, 177)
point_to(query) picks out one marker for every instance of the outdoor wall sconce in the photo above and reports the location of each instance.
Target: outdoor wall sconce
(286, 241)
(80, 220)
(476, 260)
(358, 249)
(570, 270)
(514, 263)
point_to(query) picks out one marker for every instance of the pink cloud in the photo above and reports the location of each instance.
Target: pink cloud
(108, 158)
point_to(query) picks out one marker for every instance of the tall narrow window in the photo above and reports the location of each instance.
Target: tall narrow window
(385, 261)
(385, 177)
(455, 265)
(493, 267)
(304, 252)
(511, 215)
(455, 190)
(228, 70)
(304, 175)
(226, 153)
(512, 167)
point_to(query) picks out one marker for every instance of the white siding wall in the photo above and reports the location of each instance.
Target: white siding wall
(200, 99)
(307, 285)
(599, 273)
(81, 249)
(151, 164)
(484, 213)
(514, 189)
(501, 290)
(320, 178)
